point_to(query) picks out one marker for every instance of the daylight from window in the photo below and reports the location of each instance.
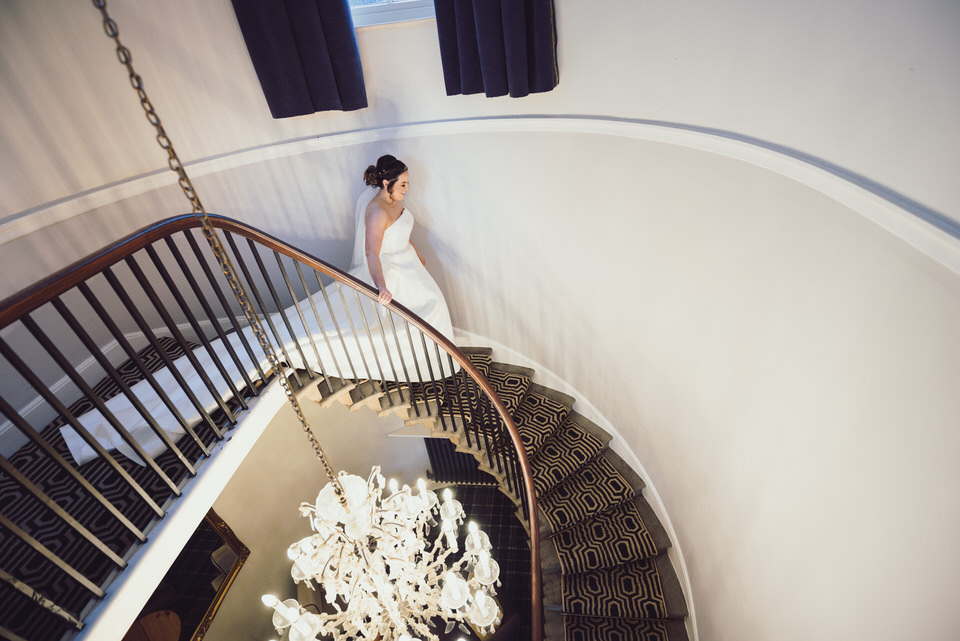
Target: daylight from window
(361, 3)
(373, 12)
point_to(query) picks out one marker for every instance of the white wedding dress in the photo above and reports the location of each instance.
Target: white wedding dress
(359, 339)
(406, 277)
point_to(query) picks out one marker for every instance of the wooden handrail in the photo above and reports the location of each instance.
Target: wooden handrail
(29, 299)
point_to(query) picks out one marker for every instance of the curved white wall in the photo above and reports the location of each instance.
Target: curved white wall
(784, 367)
(867, 86)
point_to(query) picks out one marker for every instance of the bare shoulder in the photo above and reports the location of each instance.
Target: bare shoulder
(376, 215)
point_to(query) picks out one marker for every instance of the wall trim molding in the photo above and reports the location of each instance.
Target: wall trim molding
(929, 231)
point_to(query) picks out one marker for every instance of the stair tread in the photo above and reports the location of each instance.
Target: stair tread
(537, 417)
(481, 357)
(567, 450)
(625, 470)
(528, 372)
(671, 588)
(596, 487)
(589, 426)
(587, 628)
(616, 536)
(631, 590)
(552, 394)
(366, 393)
(471, 351)
(553, 626)
(511, 383)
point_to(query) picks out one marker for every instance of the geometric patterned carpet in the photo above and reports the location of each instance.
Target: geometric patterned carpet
(612, 580)
(17, 613)
(614, 537)
(589, 628)
(624, 591)
(595, 486)
(537, 417)
(606, 574)
(567, 450)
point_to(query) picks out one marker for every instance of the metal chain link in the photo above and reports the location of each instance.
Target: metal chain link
(213, 238)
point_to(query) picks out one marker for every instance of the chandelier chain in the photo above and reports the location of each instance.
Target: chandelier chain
(213, 239)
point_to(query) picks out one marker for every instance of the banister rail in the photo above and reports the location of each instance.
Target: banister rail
(128, 444)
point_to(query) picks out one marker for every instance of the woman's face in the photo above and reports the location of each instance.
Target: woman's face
(399, 190)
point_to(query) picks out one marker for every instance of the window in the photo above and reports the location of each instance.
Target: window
(371, 12)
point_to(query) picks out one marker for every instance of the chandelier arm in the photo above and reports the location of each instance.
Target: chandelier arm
(421, 628)
(326, 566)
(329, 616)
(213, 239)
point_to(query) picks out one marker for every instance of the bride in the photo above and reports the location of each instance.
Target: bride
(383, 254)
(358, 339)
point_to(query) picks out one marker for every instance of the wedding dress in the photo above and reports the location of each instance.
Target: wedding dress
(376, 344)
(338, 334)
(405, 276)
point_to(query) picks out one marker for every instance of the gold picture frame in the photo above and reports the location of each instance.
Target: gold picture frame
(183, 592)
(241, 551)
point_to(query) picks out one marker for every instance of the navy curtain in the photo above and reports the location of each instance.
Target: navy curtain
(497, 47)
(305, 54)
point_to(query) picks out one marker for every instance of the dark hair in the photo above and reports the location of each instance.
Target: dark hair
(387, 168)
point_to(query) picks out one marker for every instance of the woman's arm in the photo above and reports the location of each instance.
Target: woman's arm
(376, 224)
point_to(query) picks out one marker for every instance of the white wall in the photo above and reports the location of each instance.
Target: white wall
(864, 85)
(784, 368)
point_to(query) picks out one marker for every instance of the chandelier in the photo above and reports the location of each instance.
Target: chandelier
(386, 568)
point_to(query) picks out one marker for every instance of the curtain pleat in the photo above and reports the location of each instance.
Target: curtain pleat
(305, 54)
(498, 47)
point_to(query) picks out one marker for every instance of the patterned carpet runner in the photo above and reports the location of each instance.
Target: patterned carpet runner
(581, 628)
(594, 488)
(627, 591)
(18, 559)
(608, 539)
(565, 452)
(537, 417)
(609, 582)
(511, 385)
(482, 358)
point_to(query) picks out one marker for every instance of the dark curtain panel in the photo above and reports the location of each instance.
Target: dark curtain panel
(497, 47)
(305, 54)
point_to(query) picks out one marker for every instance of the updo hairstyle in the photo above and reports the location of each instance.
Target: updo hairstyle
(387, 168)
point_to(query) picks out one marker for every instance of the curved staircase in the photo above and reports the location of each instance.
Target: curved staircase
(604, 552)
(605, 573)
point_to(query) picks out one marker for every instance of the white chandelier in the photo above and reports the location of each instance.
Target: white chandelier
(380, 576)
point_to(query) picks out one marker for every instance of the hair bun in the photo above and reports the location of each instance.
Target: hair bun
(387, 168)
(370, 176)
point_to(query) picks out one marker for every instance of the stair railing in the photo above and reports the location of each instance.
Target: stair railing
(157, 292)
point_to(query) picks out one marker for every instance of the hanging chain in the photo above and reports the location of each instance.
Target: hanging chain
(213, 238)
